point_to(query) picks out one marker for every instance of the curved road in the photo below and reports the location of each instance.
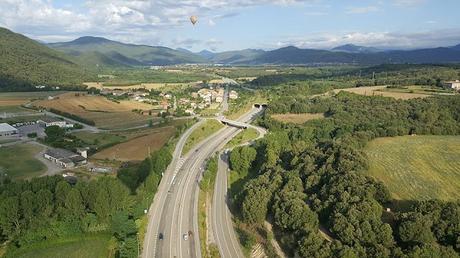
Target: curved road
(175, 208)
(221, 217)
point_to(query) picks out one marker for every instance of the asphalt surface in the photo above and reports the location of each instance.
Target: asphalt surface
(221, 218)
(175, 208)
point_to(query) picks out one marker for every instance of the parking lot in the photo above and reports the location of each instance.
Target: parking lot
(33, 128)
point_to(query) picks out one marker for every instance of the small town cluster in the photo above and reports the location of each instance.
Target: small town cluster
(192, 103)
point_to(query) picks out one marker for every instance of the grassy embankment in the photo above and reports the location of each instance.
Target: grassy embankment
(205, 199)
(18, 161)
(202, 132)
(417, 167)
(243, 137)
(243, 104)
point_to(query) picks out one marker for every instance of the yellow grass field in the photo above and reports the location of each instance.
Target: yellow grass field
(380, 91)
(296, 118)
(137, 148)
(417, 167)
(20, 98)
(105, 113)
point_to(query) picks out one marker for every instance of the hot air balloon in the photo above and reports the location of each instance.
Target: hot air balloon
(193, 19)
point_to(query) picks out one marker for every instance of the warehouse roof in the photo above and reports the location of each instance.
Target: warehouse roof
(4, 127)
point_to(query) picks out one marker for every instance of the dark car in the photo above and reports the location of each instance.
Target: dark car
(161, 236)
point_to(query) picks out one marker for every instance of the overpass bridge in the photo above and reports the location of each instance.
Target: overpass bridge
(242, 125)
(236, 124)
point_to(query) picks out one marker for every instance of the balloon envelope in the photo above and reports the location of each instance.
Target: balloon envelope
(193, 20)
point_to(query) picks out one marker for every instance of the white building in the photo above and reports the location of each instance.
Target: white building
(7, 130)
(453, 85)
(219, 99)
(51, 121)
(233, 95)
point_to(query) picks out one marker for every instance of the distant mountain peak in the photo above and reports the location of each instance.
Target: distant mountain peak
(184, 50)
(90, 40)
(351, 48)
(204, 51)
(206, 54)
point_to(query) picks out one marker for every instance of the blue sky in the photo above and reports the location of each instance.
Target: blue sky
(238, 24)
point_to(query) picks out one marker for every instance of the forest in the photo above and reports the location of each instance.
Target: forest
(387, 74)
(308, 179)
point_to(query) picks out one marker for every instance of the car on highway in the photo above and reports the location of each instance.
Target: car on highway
(161, 236)
(185, 236)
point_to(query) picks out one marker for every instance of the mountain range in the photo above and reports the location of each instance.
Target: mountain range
(103, 52)
(24, 61)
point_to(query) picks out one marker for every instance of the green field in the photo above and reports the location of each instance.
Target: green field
(99, 140)
(202, 132)
(243, 137)
(18, 161)
(97, 246)
(417, 167)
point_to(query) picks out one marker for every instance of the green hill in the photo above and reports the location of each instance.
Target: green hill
(25, 63)
(121, 54)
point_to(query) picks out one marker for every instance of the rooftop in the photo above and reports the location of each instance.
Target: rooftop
(60, 153)
(4, 127)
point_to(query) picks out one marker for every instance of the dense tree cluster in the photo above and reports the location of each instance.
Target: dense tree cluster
(387, 74)
(310, 177)
(50, 208)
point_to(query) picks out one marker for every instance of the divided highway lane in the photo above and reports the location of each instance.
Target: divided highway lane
(221, 217)
(158, 202)
(175, 213)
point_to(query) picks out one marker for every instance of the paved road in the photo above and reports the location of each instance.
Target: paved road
(156, 208)
(175, 208)
(221, 217)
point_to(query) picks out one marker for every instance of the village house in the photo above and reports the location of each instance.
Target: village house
(455, 85)
(48, 121)
(64, 158)
(233, 95)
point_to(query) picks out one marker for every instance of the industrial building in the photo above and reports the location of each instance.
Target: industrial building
(7, 130)
(64, 158)
(48, 121)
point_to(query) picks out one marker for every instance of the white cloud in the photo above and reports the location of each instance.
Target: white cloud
(40, 15)
(135, 21)
(384, 40)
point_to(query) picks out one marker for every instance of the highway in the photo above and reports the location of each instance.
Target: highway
(221, 217)
(175, 208)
